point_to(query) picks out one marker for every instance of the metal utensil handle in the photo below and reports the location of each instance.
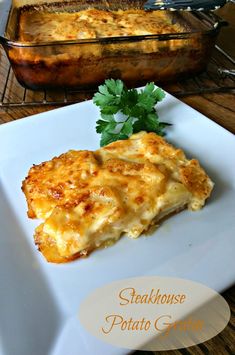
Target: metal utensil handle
(226, 72)
(186, 5)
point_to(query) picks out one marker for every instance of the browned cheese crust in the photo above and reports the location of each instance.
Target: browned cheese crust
(89, 199)
(40, 26)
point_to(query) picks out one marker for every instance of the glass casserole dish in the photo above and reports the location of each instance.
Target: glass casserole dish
(85, 63)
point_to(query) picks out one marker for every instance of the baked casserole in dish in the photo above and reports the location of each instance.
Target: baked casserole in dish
(79, 44)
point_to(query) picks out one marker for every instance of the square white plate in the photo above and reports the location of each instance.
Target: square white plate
(39, 301)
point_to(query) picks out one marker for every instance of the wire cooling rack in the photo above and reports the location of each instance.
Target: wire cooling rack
(219, 77)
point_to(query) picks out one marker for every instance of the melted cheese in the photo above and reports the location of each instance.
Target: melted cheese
(88, 199)
(40, 26)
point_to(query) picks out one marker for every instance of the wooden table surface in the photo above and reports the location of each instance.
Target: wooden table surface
(220, 107)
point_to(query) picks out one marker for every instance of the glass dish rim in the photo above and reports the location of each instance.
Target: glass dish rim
(115, 39)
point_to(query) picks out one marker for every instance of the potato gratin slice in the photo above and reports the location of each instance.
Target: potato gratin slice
(89, 199)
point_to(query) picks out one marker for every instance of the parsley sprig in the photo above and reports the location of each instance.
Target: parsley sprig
(136, 108)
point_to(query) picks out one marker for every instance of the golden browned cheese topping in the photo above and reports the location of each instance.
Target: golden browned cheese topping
(39, 26)
(89, 199)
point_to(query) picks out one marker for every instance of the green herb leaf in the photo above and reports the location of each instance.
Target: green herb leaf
(127, 128)
(101, 125)
(115, 87)
(109, 118)
(138, 108)
(107, 138)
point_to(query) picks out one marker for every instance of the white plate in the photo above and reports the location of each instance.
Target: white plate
(40, 301)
